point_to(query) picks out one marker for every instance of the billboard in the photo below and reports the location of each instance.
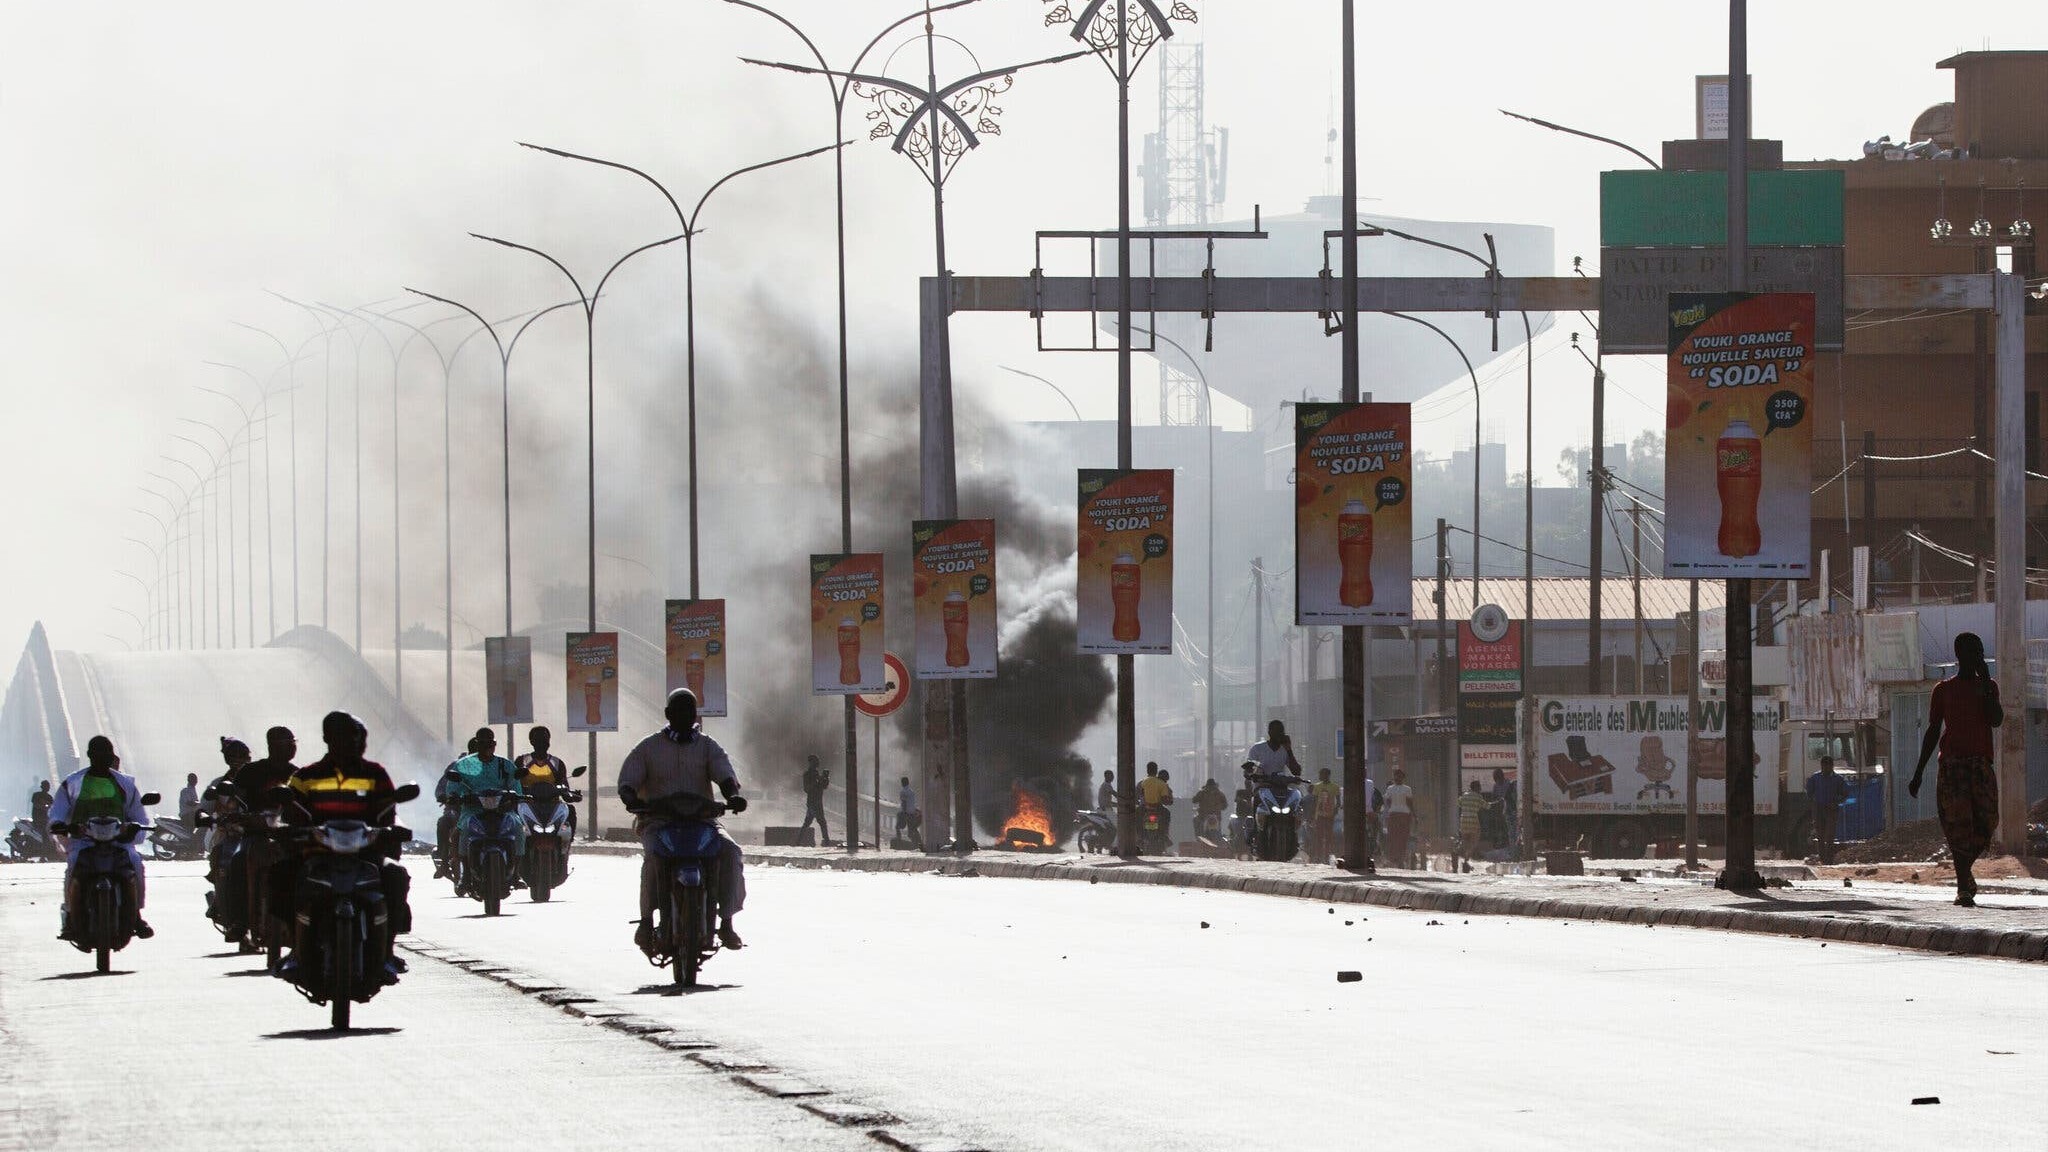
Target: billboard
(1353, 472)
(846, 624)
(1124, 589)
(592, 659)
(508, 679)
(1489, 692)
(695, 639)
(953, 598)
(1738, 449)
(1609, 754)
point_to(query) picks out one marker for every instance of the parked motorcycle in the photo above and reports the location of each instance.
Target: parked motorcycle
(548, 813)
(176, 840)
(28, 842)
(686, 895)
(1097, 830)
(488, 830)
(104, 879)
(341, 904)
(1276, 828)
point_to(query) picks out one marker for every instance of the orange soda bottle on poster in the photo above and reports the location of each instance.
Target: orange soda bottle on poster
(1354, 554)
(593, 699)
(1126, 586)
(511, 695)
(955, 618)
(1739, 479)
(693, 674)
(849, 651)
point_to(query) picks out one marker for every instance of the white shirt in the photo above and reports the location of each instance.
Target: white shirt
(1271, 761)
(1397, 799)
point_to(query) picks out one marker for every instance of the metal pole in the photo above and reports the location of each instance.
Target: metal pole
(397, 535)
(1126, 665)
(1446, 702)
(505, 461)
(1740, 870)
(1596, 562)
(1635, 516)
(1258, 641)
(1692, 728)
(2009, 294)
(356, 443)
(1354, 636)
(878, 782)
(1525, 792)
(590, 492)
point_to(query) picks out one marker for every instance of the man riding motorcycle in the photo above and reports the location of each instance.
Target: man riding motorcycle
(483, 770)
(681, 759)
(94, 791)
(444, 825)
(250, 781)
(539, 769)
(342, 785)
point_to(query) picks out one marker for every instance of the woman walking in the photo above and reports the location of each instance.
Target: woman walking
(1960, 718)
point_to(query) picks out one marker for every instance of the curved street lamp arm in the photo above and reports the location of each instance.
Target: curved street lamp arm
(248, 413)
(486, 324)
(1447, 339)
(226, 443)
(621, 262)
(1049, 384)
(690, 226)
(160, 521)
(582, 296)
(530, 321)
(1489, 265)
(1588, 135)
(839, 91)
(658, 186)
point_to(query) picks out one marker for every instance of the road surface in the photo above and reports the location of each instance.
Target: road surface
(1037, 1015)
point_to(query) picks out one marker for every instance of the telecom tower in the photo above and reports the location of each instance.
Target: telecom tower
(1186, 170)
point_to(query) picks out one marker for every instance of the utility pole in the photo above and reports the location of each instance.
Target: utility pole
(1597, 478)
(1356, 685)
(1914, 543)
(1258, 642)
(1869, 495)
(1635, 515)
(1692, 725)
(1444, 699)
(2009, 294)
(1739, 873)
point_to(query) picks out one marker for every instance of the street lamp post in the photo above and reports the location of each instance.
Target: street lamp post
(589, 301)
(290, 365)
(1467, 360)
(186, 577)
(248, 497)
(214, 463)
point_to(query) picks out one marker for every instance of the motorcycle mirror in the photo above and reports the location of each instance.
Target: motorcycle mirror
(576, 771)
(149, 798)
(406, 792)
(278, 796)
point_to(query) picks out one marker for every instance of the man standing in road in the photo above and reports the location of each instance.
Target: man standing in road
(188, 803)
(1471, 806)
(906, 810)
(1824, 789)
(39, 807)
(1324, 796)
(816, 780)
(1105, 796)
(1400, 800)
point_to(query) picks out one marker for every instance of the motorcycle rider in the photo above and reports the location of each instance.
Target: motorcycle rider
(252, 781)
(483, 770)
(1155, 792)
(538, 767)
(1275, 754)
(342, 785)
(93, 791)
(444, 825)
(1209, 805)
(682, 759)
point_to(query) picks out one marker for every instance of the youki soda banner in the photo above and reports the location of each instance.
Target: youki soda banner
(696, 651)
(953, 565)
(1124, 589)
(508, 675)
(1352, 472)
(846, 625)
(593, 664)
(1738, 448)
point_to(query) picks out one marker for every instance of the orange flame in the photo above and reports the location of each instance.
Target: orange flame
(1029, 814)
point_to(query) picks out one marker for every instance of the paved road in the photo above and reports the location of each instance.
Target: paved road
(1036, 1015)
(158, 1054)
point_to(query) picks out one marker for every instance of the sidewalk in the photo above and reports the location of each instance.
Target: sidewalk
(1916, 917)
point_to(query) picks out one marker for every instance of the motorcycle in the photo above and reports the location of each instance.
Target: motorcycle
(686, 893)
(341, 905)
(1276, 830)
(104, 881)
(1153, 822)
(1097, 830)
(549, 829)
(488, 832)
(28, 842)
(239, 904)
(176, 840)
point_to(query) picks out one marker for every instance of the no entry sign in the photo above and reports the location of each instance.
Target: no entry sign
(889, 699)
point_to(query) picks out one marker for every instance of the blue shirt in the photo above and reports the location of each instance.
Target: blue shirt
(1825, 789)
(475, 774)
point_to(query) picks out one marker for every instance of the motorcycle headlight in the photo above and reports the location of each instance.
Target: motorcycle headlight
(273, 819)
(344, 836)
(488, 803)
(103, 829)
(544, 829)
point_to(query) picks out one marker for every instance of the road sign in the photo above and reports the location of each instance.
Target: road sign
(1658, 209)
(1406, 726)
(890, 698)
(1635, 284)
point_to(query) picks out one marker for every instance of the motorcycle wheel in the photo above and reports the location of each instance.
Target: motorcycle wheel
(158, 850)
(341, 963)
(687, 914)
(540, 879)
(103, 913)
(494, 883)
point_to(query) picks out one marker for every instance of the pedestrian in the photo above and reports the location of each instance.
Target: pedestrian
(1960, 717)
(1824, 791)
(1471, 806)
(188, 803)
(1324, 796)
(39, 806)
(816, 780)
(906, 809)
(1400, 803)
(1105, 796)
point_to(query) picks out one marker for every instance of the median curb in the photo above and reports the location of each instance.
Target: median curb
(1397, 892)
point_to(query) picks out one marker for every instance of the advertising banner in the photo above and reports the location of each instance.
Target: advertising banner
(508, 679)
(1352, 474)
(1738, 448)
(1124, 589)
(1607, 754)
(953, 598)
(1488, 732)
(695, 631)
(1490, 667)
(593, 664)
(846, 624)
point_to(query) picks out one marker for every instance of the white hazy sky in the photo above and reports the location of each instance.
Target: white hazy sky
(165, 164)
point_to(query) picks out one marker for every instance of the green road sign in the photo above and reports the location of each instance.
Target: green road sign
(1649, 209)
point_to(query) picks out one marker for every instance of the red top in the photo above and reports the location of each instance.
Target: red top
(1958, 706)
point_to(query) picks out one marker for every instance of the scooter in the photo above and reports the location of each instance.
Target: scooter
(685, 933)
(104, 879)
(28, 842)
(341, 904)
(1097, 830)
(489, 830)
(1153, 822)
(176, 840)
(1276, 829)
(550, 825)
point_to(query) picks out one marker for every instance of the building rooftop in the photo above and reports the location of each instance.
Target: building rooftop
(1567, 599)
